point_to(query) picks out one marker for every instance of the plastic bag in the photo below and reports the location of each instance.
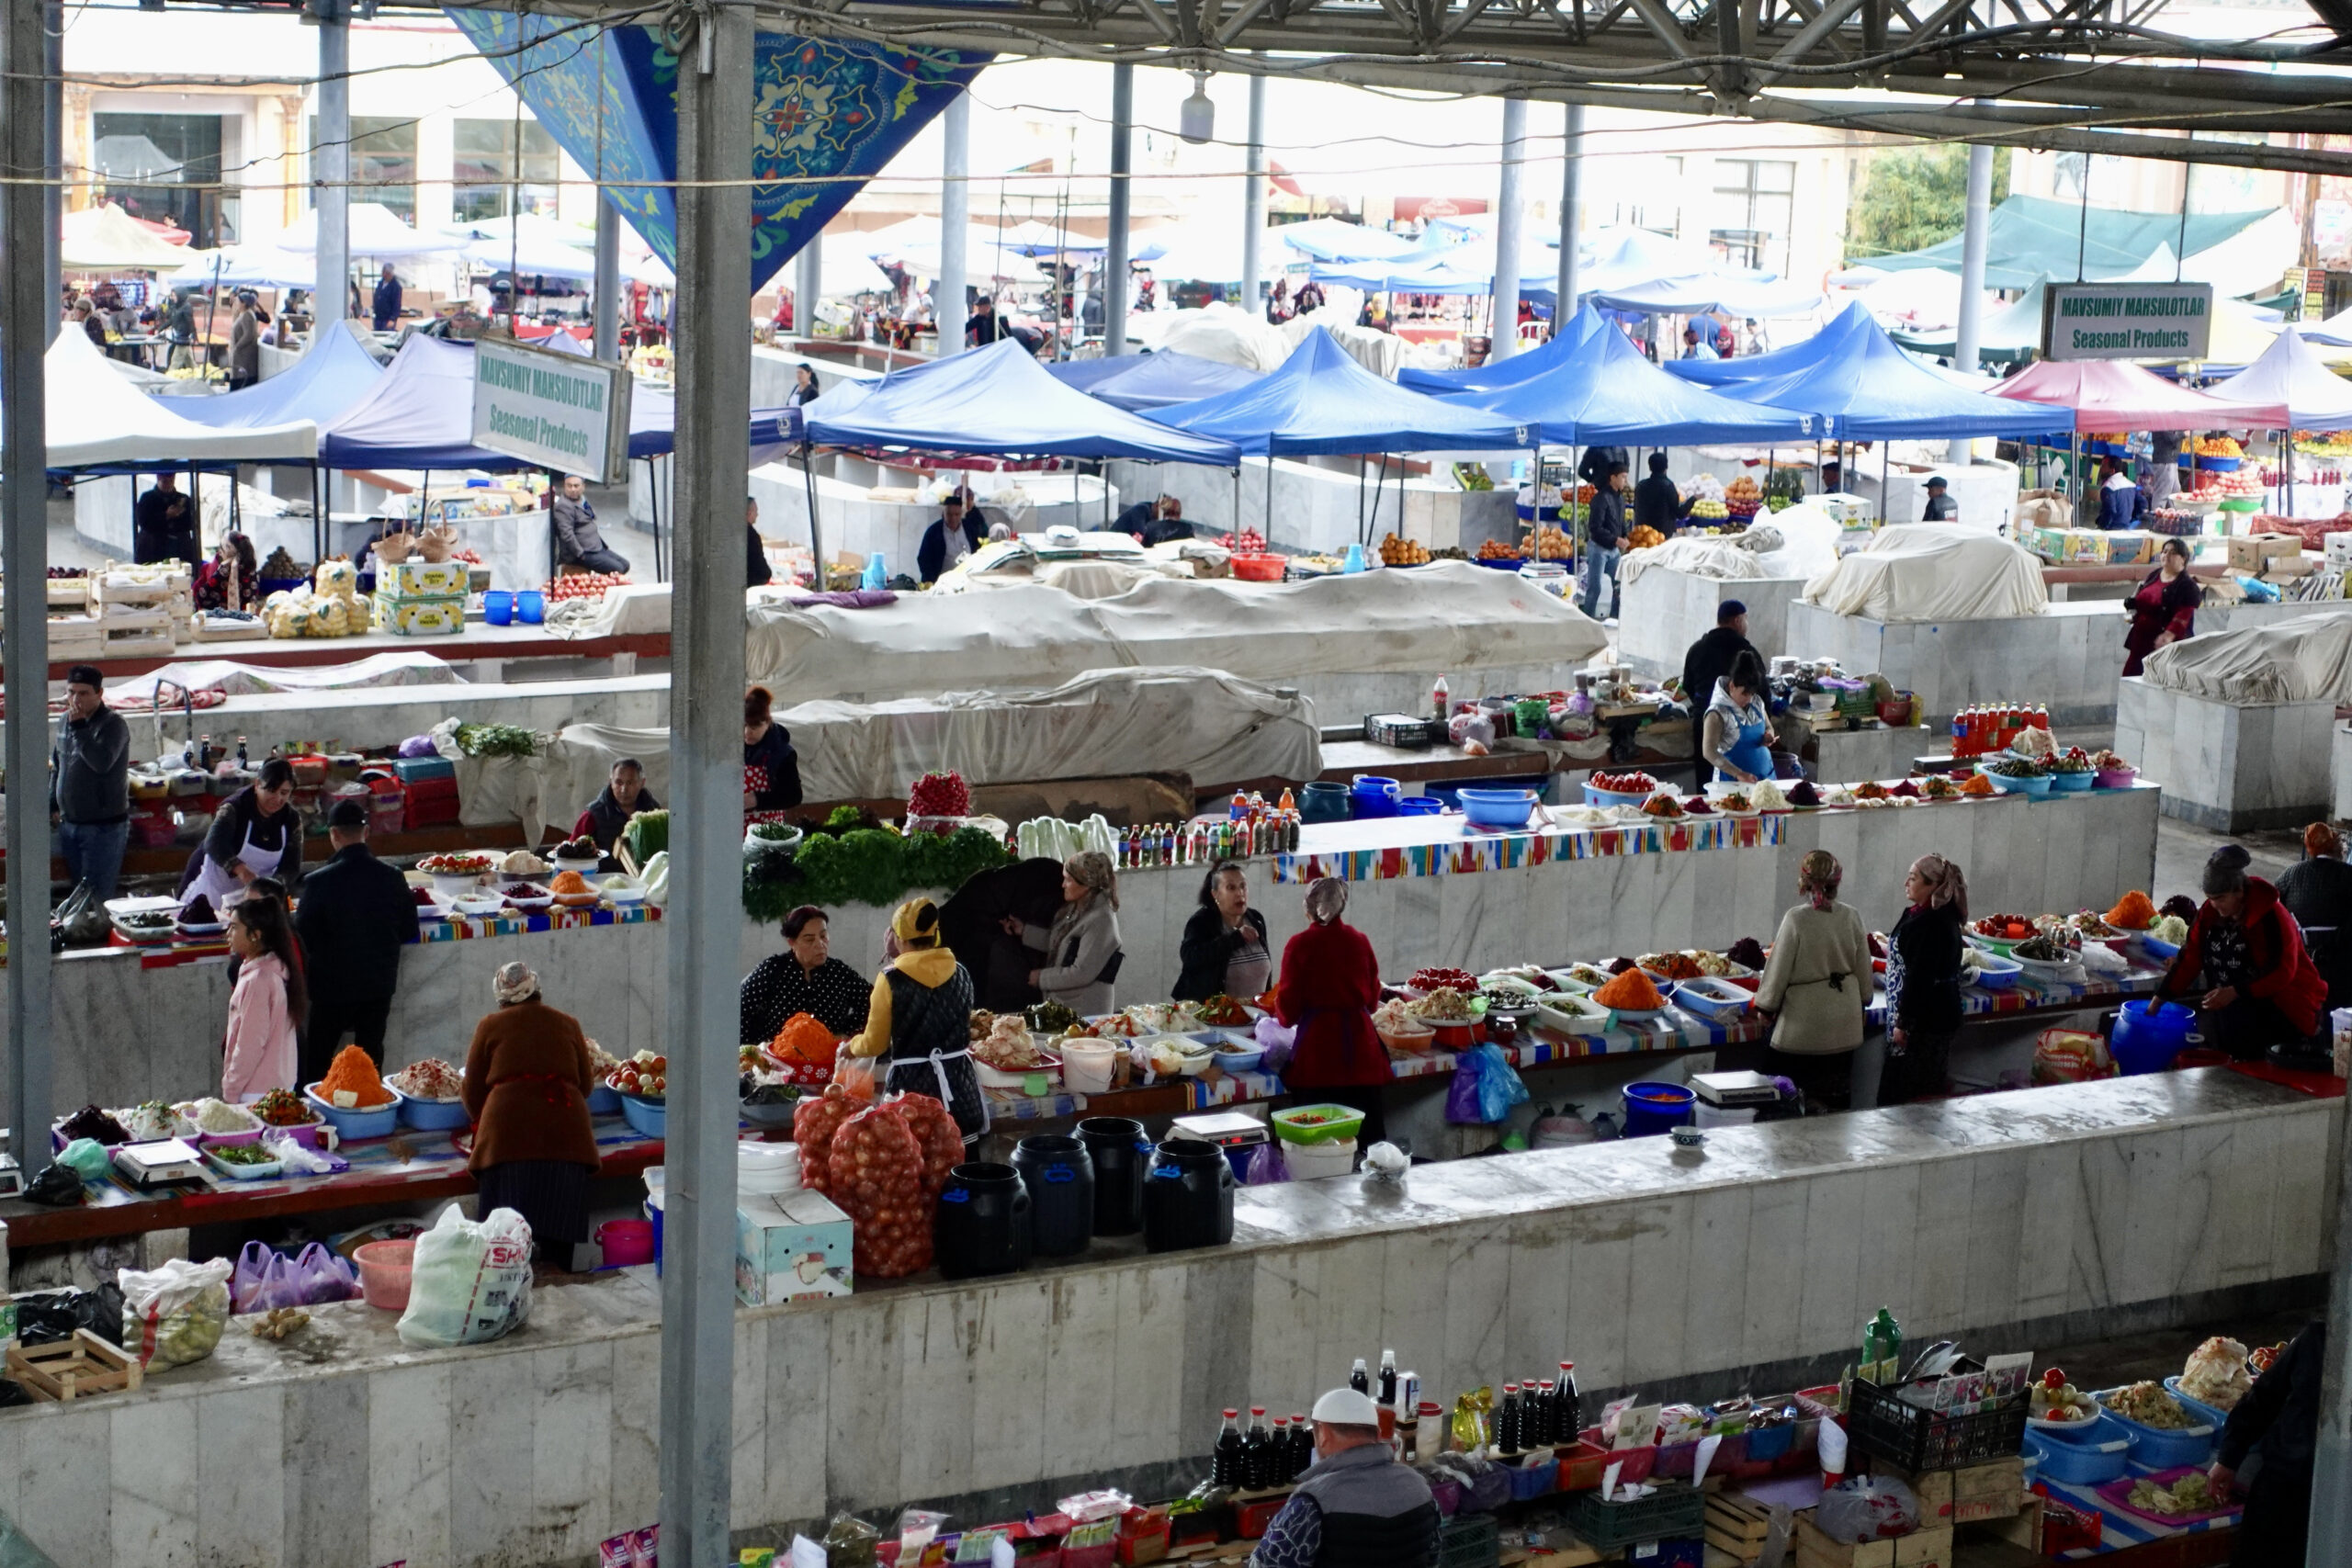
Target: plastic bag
(1484, 1088)
(1277, 1041)
(298, 1157)
(323, 1275)
(1265, 1166)
(1465, 727)
(1867, 1508)
(175, 1314)
(2070, 1055)
(52, 1315)
(85, 1157)
(262, 1281)
(469, 1282)
(875, 1167)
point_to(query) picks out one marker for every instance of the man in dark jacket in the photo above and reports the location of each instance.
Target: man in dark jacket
(578, 541)
(1657, 502)
(91, 793)
(958, 532)
(163, 525)
(624, 797)
(1709, 659)
(2281, 1413)
(1593, 467)
(1604, 536)
(1357, 1506)
(1153, 522)
(757, 573)
(1941, 507)
(355, 914)
(386, 314)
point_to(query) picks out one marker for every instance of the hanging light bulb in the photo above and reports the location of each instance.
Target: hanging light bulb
(1197, 117)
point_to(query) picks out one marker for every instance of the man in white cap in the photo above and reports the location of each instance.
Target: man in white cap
(1356, 1507)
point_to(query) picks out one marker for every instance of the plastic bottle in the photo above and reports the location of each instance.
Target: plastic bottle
(1358, 1379)
(1278, 1454)
(1439, 697)
(1387, 1378)
(1302, 1445)
(1567, 1413)
(1882, 1341)
(1286, 805)
(1537, 1426)
(1506, 1421)
(1240, 809)
(1257, 1453)
(1224, 1459)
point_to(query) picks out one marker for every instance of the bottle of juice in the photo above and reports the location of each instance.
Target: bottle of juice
(1882, 1342)
(1224, 1459)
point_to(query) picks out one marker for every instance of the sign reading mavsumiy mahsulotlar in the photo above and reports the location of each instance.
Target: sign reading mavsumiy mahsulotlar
(2127, 321)
(555, 410)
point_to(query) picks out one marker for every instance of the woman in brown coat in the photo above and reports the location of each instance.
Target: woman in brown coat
(528, 1081)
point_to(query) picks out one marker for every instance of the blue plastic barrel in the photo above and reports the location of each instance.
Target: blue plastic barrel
(1655, 1108)
(2149, 1034)
(1371, 795)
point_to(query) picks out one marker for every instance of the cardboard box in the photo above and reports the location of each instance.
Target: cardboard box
(423, 577)
(1994, 1491)
(790, 1246)
(1928, 1547)
(411, 615)
(2248, 551)
(2021, 1528)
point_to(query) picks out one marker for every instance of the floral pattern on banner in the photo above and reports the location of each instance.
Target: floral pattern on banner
(827, 115)
(1509, 852)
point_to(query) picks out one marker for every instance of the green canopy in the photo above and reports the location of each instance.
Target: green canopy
(2030, 237)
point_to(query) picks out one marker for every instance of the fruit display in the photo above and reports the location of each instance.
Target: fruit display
(1624, 783)
(1704, 510)
(583, 585)
(455, 865)
(2219, 446)
(1743, 497)
(1395, 551)
(1426, 980)
(2150, 1406)
(2055, 1399)
(645, 1075)
(1249, 542)
(940, 794)
(1495, 549)
(1553, 544)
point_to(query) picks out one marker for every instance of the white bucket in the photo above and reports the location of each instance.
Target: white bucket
(1722, 1116)
(1310, 1162)
(1086, 1069)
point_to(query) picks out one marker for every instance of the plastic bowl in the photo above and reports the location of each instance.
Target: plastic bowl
(1240, 1061)
(1498, 808)
(603, 1100)
(384, 1268)
(434, 1115)
(626, 1243)
(648, 1116)
(1997, 972)
(376, 1122)
(2114, 778)
(1613, 798)
(1260, 568)
(2039, 783)
(2072, 784)
(1317, 1123)
(1411, 1043)
(2098, 1458)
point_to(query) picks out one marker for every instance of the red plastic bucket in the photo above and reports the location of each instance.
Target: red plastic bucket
(626, 1243)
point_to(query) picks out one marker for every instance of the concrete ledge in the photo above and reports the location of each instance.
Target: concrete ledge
(2229, 767)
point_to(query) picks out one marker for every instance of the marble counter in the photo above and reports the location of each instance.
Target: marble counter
(2011, 1221)
(1666, 611)
(2068, 658)
(2228, 766)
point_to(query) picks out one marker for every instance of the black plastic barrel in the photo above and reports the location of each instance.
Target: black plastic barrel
(982, 1223)
(1059, 1174)
(1187, 1197)
(1119, 1151)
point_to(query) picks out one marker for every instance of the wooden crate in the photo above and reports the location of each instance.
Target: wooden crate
(1992, 1491)
(74, 1369)
(1737, 1525)
(1930, 1548)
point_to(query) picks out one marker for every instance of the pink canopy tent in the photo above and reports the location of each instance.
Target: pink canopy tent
(2109, 395)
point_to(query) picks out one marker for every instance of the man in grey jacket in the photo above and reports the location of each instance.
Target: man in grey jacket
(1357, 1506)
(91, 785)
(578, 540)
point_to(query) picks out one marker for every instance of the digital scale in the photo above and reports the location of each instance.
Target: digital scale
(1229, 1130)
(167, 1162)
(1734, 1091)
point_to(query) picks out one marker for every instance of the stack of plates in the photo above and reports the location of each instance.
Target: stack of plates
(767, 1167)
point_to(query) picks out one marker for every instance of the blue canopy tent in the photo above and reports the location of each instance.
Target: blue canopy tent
(332, 376)
(1873, 390)
(1605, 393)
(1321, 402)
(1139, 382)
(1713, 294)
(1826, 345)
(1336, 239)
(1497, 374)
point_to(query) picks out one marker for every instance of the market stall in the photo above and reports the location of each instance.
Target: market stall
(1673, 592)
(1750, 1262)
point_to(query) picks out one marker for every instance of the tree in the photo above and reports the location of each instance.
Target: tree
(1912, 198)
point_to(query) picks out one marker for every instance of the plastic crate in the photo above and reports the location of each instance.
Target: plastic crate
(2068, 1528)
(1469, 1541)
(1668, 1511)
(1883, 1427)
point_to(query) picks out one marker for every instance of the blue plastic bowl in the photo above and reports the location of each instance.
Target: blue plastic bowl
(1419, 806)
(2210, 1415)
(1498, 808)
(1606, 798)
(1655, 1108)
(498, 607)
(1240, 1061)
(2037, 785)
(603, 1100)
(2153, 1449)
(1998, 979)
(2167, 951)
(2072, 784)
(648, 1116)
(2100, 1457)
(434, 1115)
(375, 1123)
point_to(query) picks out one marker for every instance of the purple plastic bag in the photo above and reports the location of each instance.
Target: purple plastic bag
(1462, 1107)
(418, 746)
(1265, 1166)
(1277, 1041)
(263, 1279)
(321, 1275)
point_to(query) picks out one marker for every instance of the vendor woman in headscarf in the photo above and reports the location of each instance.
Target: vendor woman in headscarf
(2163, 609)
(2243, 965)
(256, 834)
(920, 1019)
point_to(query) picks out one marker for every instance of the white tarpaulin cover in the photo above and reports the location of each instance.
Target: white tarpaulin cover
(237, 680)
(94, 417)
(1933, 571)
(2306, 660)
(1452, 616)
(1798, 541)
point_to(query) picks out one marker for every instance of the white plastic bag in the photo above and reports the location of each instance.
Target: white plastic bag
(468, 1282)
(177, 1311)
(1867, 1508)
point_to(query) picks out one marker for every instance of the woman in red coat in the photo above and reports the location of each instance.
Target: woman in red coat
(2245, 964)
(1331, 983)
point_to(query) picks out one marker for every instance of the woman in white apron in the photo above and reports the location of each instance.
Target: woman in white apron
(257, 834)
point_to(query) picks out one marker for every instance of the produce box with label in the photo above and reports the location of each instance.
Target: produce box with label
(790, 1246)
(419, 614)
(423, 579)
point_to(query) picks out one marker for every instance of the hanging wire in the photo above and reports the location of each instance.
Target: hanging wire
(2180, 246)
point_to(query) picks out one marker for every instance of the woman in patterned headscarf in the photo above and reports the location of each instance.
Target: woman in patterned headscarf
(1817, 982)
(528, 1081)
(1923, 980)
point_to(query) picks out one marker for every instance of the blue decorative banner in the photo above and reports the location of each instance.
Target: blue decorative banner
(827, 114)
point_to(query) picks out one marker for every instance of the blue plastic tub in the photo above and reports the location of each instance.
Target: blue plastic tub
(498, 607)
(2153, 1449)
(2072, 784)
(2148, 1036)
(1499, 808)
(1536, 1478)
(648, 1116)
(603, 1100)
(531, 607)
(434, 1115)
(2034, 785)
(1323, 801)
(1652, 1108)
(1419, 806)
(351, 1125)
(1766, 1444)
(1371, 795)
(2098, 1458)
(2212, 1414)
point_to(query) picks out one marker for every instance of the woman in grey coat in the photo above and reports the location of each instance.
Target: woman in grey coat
(1082, 947)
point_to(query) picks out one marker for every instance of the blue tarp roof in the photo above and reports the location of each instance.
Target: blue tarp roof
(1606, 393)
(1497, 374)
(999, 399)
(334, 374)
(1140, 382)
(1320, 400)
(419, 414)
(1827, 344)
(1871, 390)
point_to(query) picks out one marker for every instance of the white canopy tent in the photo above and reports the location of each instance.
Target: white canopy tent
(376, 232)
(96, 419)
(246, 267)
(106, 239)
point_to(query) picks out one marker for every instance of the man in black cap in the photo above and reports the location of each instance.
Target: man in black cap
(1710, 658)
(1941, 507)
(91, 792)
(355, 913)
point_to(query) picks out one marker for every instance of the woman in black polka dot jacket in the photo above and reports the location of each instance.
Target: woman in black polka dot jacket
(803, 979)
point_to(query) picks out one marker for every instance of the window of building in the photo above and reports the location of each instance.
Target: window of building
(1652, 203)
(165, 169)
(383, 161)
(1755, 210)
(490, 163)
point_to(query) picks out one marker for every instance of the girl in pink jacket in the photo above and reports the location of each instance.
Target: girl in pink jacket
(268, 1004)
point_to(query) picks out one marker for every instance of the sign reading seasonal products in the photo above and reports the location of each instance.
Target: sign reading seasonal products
(553, 411)
(2127, 321)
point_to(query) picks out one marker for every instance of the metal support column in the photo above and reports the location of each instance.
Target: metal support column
(808, 286)
(948, 305)
(1504, 326)
(1972, 268)
(1253, 196)
(1571, 215)
(331, 168)
(2331, 1537)
(604, 307)
(713, 464)
(52, 114)
(1116, 284)
(26, 314)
